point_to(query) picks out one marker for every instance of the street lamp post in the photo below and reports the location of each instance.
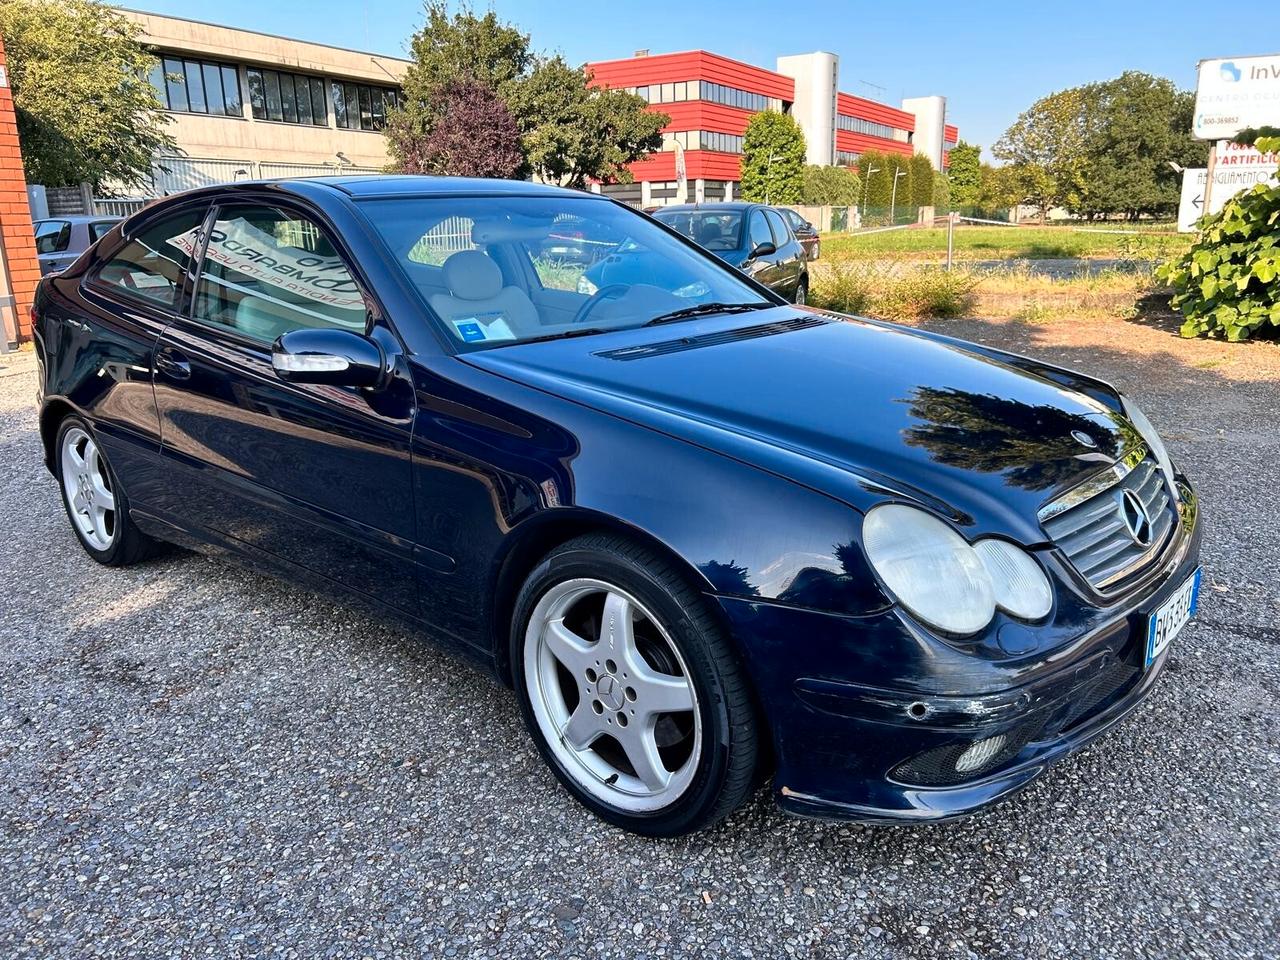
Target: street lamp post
(893, 197)
(866, 188)
(768, 177)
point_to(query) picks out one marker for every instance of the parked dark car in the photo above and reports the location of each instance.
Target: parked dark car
(750, 236)
(707, 536)
(805, 232)
(59, 240)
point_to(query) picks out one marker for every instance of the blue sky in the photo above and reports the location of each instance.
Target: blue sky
(990, 59)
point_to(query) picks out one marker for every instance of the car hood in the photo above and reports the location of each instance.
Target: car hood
(988, 434)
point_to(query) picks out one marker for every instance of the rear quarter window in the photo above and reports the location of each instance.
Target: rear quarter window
(152, 265)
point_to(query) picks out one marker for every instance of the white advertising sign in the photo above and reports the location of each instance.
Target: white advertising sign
(1233, 94)
(259, 256)
(1238, 168)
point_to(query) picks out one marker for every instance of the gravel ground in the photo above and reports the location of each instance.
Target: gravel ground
(198, 762)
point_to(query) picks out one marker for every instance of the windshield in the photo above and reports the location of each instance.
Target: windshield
(501, 270)
(712, 229)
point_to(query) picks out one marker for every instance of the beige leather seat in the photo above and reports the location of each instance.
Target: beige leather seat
(477, 297)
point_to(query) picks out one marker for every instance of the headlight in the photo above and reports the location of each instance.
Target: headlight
(585, 286)
(939, 577)
(1152, 437)
(1020, 586)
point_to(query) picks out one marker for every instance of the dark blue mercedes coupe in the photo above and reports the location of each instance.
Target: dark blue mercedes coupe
(712, 539)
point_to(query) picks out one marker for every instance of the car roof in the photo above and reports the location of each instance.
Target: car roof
(78, 218)
(389, 184)
(727, 206)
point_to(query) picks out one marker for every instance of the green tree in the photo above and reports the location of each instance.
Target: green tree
(1047, 146)
(941, 192)
(569, 131)
(448, 48)
(1002, 189)
(86, 110)
(965, 175)
(830, 186)
(573, 132)
(1138, 123)
(919, 184)
(773, 155)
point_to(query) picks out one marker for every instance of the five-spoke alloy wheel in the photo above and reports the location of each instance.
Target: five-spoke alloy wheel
(612, 694)
(95, 502)
(630, 688)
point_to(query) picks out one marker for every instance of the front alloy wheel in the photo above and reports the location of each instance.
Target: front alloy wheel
(630, 689)
(612, 695)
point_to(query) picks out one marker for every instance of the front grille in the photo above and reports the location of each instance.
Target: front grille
(1089, 524)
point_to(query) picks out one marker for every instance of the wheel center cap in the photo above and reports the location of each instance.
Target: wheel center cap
(609, 693)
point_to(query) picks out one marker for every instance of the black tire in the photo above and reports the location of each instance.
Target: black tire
(802, 291)
(725, 773)
(128, 544)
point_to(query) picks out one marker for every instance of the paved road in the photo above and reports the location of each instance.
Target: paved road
(197, 762)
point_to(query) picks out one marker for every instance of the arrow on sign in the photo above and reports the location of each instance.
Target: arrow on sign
(1198, 201)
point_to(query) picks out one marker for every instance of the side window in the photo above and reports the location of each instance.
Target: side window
(781, 234)
(758, 230)
(52, 236)
(99, 229)
(797, 221)
(152, 265)
(268, 270)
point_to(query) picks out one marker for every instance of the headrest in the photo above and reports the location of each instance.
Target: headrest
(470, 275)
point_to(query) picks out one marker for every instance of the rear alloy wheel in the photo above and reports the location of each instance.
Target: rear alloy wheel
(637, 707)
(802, 292)
(95, 503)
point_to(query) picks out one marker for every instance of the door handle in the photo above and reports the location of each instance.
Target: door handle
(173, 365)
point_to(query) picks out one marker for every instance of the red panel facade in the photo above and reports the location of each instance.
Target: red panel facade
(17, 241)
(847, 105)
(689, 115)
(847, 141)
(951, 134)
(693, 65)
(698, 164)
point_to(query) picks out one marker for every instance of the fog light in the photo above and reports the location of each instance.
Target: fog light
(980, 754)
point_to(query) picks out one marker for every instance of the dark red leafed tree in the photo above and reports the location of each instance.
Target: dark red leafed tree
(475, 136)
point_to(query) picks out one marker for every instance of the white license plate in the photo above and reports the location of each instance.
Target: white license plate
(1167, 622)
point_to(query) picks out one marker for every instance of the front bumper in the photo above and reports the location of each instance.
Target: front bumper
(878, 742)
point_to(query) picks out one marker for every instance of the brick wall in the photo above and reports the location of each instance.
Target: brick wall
(16, 241)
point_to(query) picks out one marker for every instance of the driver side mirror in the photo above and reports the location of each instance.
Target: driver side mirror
(762, 250)
(340, 358)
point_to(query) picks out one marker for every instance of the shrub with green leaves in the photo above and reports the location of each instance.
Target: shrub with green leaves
(1226, 284)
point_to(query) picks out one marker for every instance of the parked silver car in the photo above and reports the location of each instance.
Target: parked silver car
(60, 240)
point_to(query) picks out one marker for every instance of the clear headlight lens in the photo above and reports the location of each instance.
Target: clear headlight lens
(937, 575)
(1152, 437)
(929, 567)
(1020, 586)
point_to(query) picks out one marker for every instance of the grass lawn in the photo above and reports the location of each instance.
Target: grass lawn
(1004, 243)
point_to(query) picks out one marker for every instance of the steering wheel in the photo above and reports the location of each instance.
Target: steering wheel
(610, 291)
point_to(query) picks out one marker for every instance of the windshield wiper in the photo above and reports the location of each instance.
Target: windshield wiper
(564, 334)
(702, 309)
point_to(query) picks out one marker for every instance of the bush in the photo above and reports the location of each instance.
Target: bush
(916, 294)
(1226, 285)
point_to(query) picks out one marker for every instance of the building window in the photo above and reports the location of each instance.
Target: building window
(703, 140)
(858, 125)
(705, 90)
(358, 106)
(287, 97)
(845, 158)
(197, 86)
